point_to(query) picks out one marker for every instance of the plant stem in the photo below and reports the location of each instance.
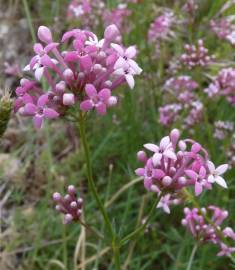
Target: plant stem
(91, 184)
(192, 257)
(29, 20)
(143, 226)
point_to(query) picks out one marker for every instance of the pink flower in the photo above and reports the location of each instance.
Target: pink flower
(98, 100)
(205, 232)
(84, 73)
(175, 164)
(215, 174)
(40, 111)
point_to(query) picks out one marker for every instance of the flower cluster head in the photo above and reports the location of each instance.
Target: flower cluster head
(180, 97)
(223, 85)
(160, 28)
(88, 13)
(117, 16)
(190, 7)
(223, 28)
(203, 232)
(175, 164)
(86, 73)
(196, 55)
(69, 205)
(223, 129)
(231, 152)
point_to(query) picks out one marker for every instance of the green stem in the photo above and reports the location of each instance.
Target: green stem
(143, 226)
(92, 187)
(29, 20)
(192, 257)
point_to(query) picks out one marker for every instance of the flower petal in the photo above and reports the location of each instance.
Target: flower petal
(170, 154)
(221, 169)
(38, 121)
(30, 109)
(211, 166)
(140, 171)
(120, 63)
(198, 189)
(191, 174)
(86, 105)
(90, 90)
(118, 49)
(220, 181)
(151, 147)
(50, 113)
(165, 141)
(130, 80)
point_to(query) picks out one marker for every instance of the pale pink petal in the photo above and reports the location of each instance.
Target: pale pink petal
(134, 66)
(170, 154)
(219, 180)
(165, 141)
(42, 101)
(140, 171)
(130, 80)
(158, 174)
(156, 158)
(198, 189)
(101, 108)
(130, 52)
(104, 94)
(121, 62)
(119, 72)
(202, 172)
(38, 121)
(211, 178)
(86, 105)
(90, 90)
(151, 147)
(38, 48)
(118, 49)
(221, 169)
(211, 166)
(38, 73)
(30, 109)
(191, 174)
(50, 113)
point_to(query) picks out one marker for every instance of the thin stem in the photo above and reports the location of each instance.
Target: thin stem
(190, 263)
(92, 187)
(143, 226)
(29, 20)
(89, 228)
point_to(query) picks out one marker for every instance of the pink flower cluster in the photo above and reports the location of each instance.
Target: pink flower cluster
(231, 152)
(224, 29)
(203, 232)
(180, 98)
(196, 55)
(86, 73)
(175, 164)
(160, 29)
(117, 16)
(223, 85)
(94, 12)
(69, 205)
(223, 129)
(190, 7)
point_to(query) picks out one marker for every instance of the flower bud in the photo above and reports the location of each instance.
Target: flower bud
(141, 156)
(111, 32)
(112, 101)
(68, 99)
(44, 34)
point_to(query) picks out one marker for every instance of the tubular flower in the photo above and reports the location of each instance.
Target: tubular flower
(86, 73)
(203, 232)
(175, 164)
(69, 205)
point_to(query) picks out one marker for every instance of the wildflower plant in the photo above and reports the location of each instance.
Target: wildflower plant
(79, 76)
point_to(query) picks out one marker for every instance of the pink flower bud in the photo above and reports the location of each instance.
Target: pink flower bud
(68, 99)
(44, 34)
(112, 101)
(141, 156)
(196, 147)
(56, 197)
(166, 181)
(111, 32)
(174, 135)
(68, 74)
